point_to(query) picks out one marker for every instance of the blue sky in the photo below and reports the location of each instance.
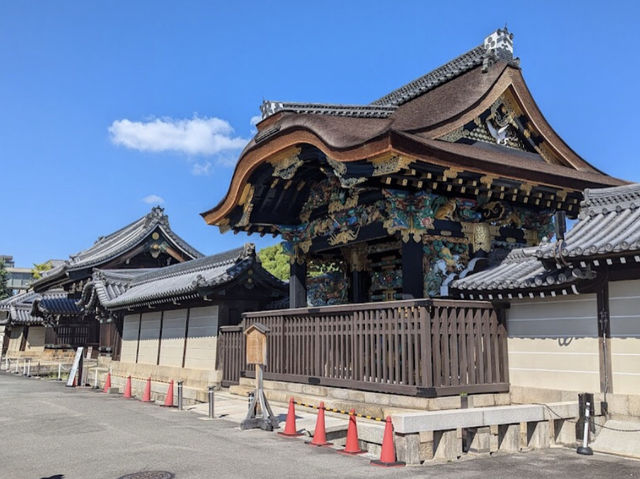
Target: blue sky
(106, 104)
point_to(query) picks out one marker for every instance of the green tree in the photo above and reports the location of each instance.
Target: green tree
(38, 269)
(5, 292)
(275, 261)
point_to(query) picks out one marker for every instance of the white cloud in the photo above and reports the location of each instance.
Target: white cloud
(201, 168)
(195, 136)
(153, 199)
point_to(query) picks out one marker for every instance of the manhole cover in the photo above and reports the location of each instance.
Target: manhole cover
(149, 475)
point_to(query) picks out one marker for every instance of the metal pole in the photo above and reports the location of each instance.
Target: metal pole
(585, 450)
(250, 399)
(59, 371)
(24, 367)
(210, 402)
(180, 395)
(95, 381)
(29, 369)
(17, 366)
(6, 363)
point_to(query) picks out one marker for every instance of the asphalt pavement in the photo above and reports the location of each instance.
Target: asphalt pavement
(50, 431)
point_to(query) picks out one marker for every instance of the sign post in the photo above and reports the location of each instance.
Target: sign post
(76, 368)
(256, 351)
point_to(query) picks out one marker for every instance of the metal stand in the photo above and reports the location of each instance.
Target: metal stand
(180, 395)
(585, 450)
(265, 420)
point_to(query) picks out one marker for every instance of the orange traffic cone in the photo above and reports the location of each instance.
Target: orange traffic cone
(168, 400)
(388, 452)
(352, 446)
(146, 396)
(127, 389)
(107, 383)
(290, 426)
(320, 434)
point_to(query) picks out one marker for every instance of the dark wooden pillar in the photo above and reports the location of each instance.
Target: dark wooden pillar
(412, 273)
(604, 339)
(359, 286)
(298, 285)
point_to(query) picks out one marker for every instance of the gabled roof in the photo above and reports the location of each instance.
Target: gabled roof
(607, 231)
(19, 307)
(609, 224)
(117, 290)
(110, 247)
(450, 118)
(519, 272)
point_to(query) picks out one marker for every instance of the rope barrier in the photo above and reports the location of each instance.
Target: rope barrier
(601, 426)
(340, 411)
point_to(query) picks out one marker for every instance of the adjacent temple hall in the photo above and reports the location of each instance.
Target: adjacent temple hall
(399, 198)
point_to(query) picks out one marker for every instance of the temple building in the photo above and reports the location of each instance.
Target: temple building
(148, 242)
(394, 199)
(171, 316)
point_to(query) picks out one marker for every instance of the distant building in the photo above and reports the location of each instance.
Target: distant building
(20, 278)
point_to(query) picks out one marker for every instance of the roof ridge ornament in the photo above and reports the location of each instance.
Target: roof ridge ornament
(498, 46)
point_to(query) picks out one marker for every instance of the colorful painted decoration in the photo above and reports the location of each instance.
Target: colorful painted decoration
(441, 258)
(327, 289)
(386, 279)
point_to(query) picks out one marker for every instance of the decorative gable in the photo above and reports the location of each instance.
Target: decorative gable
(504, 124)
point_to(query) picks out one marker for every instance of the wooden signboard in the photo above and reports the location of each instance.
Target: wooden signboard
(256, 343)
(260, 413)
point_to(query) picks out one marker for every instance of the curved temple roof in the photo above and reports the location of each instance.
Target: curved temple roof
(20, 308)
(116, 244)
(425, 120)
(116, 290)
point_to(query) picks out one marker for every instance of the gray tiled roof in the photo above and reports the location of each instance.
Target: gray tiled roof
(497, 46)
(20, 306)
(520, 270)
(437, 77)
(109, 247)
(118, 290)
(55, 306)
(608, 224)
(268, 108)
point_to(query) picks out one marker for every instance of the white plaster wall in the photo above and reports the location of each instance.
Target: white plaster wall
(172, 343)
(553, 343)
(35, 339)
(624, 304)
(129, 338)
(201, 339)
(149, 335)
(15, 339)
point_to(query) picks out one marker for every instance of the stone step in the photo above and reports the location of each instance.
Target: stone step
(283, 395)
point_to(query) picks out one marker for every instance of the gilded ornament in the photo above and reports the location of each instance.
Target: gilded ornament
(386, 165)
(286, 163)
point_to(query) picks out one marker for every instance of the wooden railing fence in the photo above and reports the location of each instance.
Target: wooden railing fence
(231, 354)
(425, 347)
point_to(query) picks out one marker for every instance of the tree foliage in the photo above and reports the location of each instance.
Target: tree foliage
(5, 292)
(275, 261)
(38, 269)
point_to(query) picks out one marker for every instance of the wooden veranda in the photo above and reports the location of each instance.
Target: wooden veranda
(424, 348)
